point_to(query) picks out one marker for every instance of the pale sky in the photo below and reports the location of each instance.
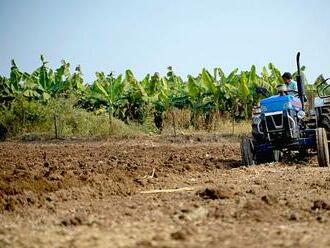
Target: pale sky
(148, 35)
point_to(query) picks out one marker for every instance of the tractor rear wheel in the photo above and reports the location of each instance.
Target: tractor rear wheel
(322, 147)
(247, 151)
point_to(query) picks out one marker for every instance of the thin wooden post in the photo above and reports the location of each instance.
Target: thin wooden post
(173, 122)
(55, 127)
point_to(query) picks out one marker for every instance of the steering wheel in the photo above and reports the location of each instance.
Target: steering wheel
(296, 94)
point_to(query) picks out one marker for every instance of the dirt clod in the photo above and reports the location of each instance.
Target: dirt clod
(74, 221)
(182, 234)
(293, 217)
(320, 204)
(269, 199)
(215, 193)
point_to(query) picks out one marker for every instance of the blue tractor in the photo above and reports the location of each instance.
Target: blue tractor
(280, 125)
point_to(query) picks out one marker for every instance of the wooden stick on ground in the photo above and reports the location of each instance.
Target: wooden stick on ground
(168, 190)
(152, 174)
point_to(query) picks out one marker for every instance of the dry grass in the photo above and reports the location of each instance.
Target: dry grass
(222, 126)
(36, 121)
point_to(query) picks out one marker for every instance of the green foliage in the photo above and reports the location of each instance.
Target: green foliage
(26, 117)
(22, 115)
(36, 97)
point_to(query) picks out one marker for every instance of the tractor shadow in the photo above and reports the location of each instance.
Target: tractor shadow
(230, 163)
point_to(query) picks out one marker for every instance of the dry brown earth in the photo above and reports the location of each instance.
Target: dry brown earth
(88, 194)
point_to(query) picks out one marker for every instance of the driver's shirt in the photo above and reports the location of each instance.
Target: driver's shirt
(292, 86)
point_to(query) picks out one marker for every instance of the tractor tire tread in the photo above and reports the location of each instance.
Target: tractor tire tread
(322, 147)
(247, 151)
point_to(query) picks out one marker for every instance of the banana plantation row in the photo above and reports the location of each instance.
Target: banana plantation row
(124, 97)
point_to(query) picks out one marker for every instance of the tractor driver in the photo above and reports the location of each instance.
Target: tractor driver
(292, 85)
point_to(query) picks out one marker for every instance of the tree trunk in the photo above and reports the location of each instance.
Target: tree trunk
(110, 122)
(192, 118)
(233, 122)
(173, 122)
(219, 114)
(23, 124)
(55, 126)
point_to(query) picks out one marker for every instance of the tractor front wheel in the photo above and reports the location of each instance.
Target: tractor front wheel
(322, 147)
(247, 151)
(268, 156)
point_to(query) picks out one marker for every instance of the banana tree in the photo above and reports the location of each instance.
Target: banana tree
(220, 89)
(6, 95)
(62, 79)
(275, 78)
(195, 93)
(212, 94)
(76, 81)
(173, 94)
(109, 90)
(31, 89)
(15, 79)
(152, 86)
(233, 92)
(41, 81)
(134, 107)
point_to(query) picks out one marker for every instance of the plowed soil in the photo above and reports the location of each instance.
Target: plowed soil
(102, 194)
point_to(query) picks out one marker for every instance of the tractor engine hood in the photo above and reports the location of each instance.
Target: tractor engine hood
(280, 103)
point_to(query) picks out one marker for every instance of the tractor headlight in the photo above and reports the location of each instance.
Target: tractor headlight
(256, 120)
(301, 114)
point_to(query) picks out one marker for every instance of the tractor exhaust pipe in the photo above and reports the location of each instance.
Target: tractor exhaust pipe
(300, 84)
